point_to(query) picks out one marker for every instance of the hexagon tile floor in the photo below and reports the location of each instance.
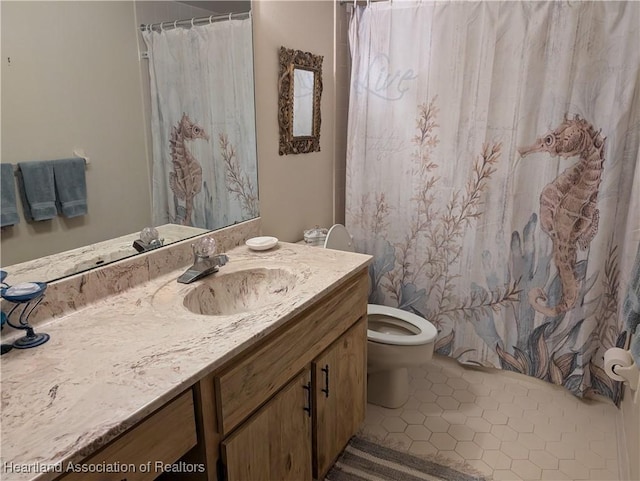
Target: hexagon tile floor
(506, 426)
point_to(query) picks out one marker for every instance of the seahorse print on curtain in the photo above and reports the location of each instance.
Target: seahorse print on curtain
(568, 211)
(186, 179)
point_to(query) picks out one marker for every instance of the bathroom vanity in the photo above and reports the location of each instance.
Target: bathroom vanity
(266, 380)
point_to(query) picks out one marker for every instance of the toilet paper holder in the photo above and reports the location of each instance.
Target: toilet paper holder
(619, 365)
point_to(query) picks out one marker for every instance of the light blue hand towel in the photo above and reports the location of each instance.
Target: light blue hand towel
(71, 186)
(8, 205)
(38, 190)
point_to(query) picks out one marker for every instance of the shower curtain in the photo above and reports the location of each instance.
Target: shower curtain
(203, 128)
(491, 159)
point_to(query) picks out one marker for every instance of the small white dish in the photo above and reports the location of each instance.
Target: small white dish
(261, 243)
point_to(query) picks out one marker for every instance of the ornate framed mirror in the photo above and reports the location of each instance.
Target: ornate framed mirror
(300, 90)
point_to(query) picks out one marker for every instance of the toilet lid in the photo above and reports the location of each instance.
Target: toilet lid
(338, 238)
(427, 334)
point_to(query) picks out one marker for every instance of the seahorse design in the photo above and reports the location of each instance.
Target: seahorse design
(186, 179)
(568, 212)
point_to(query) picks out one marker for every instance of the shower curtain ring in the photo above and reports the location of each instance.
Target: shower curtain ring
(162, 26)
(210, 18)
(192, 22)
(230, 13)
(175, 24)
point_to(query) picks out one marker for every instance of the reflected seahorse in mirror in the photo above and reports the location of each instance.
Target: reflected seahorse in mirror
(568, 212)
(186, 179)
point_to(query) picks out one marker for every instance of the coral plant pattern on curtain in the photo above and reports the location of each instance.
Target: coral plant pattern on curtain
(203, 124)
(516, 249)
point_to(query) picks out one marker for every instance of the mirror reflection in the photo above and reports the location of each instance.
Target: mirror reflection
(75, 79)
(303, 81)
(300, 91)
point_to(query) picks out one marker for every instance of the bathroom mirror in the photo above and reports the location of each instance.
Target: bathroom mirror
(300, 91)
(74, 78)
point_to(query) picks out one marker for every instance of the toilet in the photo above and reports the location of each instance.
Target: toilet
(396, 340)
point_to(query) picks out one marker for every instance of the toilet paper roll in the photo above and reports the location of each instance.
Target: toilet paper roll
(616, 356)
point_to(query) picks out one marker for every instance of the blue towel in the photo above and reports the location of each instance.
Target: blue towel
(8, 205)
(631, 309)
(71, 186)
(37, 189)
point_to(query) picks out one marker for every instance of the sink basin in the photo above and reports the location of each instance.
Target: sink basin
(224, 294)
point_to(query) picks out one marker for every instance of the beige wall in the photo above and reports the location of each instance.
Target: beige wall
(631, 426)
(74, 82)
(296, 191)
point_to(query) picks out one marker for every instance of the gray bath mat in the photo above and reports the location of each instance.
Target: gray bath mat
(365, 460)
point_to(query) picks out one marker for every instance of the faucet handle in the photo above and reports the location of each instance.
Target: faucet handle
(205, 247)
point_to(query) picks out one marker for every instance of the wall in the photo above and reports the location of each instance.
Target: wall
(74, 82)
(296, 191)
(631, 428)
(343, 75)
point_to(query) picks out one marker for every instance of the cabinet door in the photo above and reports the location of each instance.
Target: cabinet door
(339, 378)
(275, 443)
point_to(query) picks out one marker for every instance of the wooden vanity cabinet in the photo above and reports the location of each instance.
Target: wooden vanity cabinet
(276, 419)
(275, 443)
(163, 437)
(339, 381)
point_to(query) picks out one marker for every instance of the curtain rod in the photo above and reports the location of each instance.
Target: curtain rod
(192, 21)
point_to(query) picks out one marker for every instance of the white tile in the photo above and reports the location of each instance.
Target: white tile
(442, 389)
(418, 432)
(447, 403)
(486, 441)
(464, 396)
(443, 441)
(469, 450)
(505, 475)
(506, 426)
(520, 425)
(496, 459)
(457, 383)
(494, 417)
(423, 448)
(526, 469)
(454, 417)
(411, 416)
(554, 475)
(514, 450)
(479, 425)
(531, 441)
(430, 409)
(481, 466)
(436, 424)
(543, 459)
(394, 424)
(470, 409)
(399, 441)
(461, 432)
(574, 469)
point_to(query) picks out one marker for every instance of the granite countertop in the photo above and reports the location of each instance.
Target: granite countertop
(115, 361)
(55, 266)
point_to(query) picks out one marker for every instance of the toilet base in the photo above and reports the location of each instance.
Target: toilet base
(389, 389)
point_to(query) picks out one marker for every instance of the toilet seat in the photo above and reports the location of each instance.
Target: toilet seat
(427, 331)
(339, 238)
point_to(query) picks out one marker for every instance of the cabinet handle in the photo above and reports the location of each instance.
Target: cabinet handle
(325, 370)
(307, 408)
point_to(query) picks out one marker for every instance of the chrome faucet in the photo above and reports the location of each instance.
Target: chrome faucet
(204, 261)
(149, 239)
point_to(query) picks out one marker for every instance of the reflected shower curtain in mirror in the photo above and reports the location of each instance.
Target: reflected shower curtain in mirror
(492, 152)
(203, 124)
